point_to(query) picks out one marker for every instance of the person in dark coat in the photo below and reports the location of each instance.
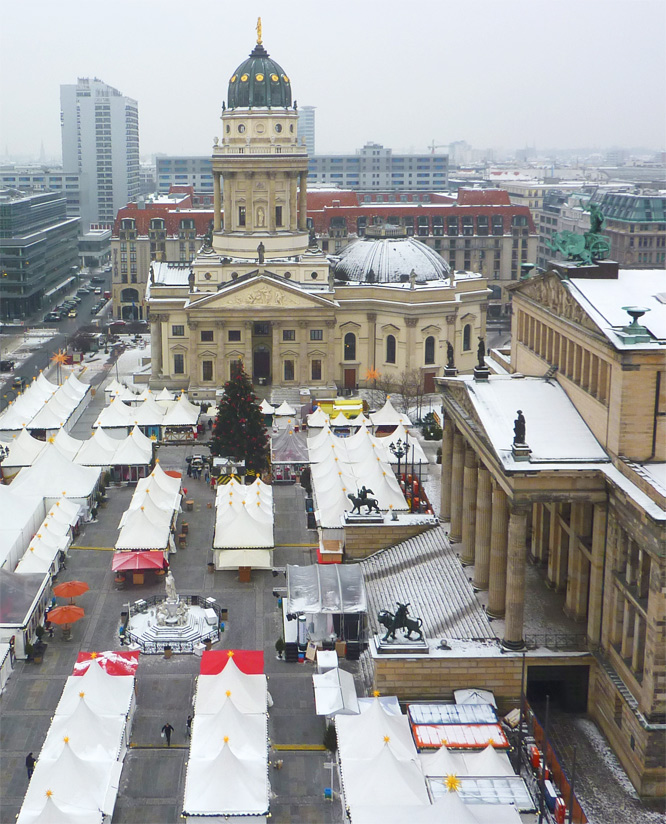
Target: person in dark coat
(30, 762)
(167, 729)
(188, 725)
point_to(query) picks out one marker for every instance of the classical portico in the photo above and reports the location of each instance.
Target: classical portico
(505, 512)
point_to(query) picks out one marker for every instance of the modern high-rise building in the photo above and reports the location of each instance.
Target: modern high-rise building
(184, 171)
(306, 127)
(100, 140)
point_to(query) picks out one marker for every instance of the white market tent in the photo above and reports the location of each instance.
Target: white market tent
(244, 523)
(226, 785)
(97, 450)
(383, 780)
(92, 736)
(53, 813)
(339, 420)
(165, 395)
(335, 693)
(135, 450)
(366, 734)
(414, 453)
(53, 477)
(247, 733)
(66, 444)
(266, 408)
(181, 413)
(148, 413)
(103, 694)
(140, 531)
(360, 420)
(117, 415)
(317, 419)
(248, 693)
(285, 410)
(23, 451)
(389, 416)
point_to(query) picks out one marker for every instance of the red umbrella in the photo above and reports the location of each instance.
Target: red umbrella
(70, 589)
(65, 615)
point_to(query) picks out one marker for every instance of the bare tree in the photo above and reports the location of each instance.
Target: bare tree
(410, 387)
(381, 388)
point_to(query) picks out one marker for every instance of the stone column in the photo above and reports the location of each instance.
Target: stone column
(557, 551)
(498, 549)
(217, 202)
(410, 323)
(249, 202)
(302, 201)
(271, 202)
(193, 372)
(276, 376)
(372, 340)
(578, 571)
(302, 368)
(596, 574)
(515, 579)
(248, 365)
(626, 648)
(447, 467)
(457, 473)
(293, 209)
(228, 201)
(483, 528)
(156, 345)
(469, 506)
(329, 375)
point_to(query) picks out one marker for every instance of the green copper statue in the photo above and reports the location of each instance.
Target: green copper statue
(587, 248)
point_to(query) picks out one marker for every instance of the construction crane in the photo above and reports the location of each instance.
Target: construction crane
(432, 147)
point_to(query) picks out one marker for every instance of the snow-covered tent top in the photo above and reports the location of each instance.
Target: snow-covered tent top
(382, 781)
(443, 762)
(182, 413)
(360, 420)
(317, 419)
(140, 531)
(66, 444)
(53, 812)
(241, 527)
(113, 387)
(23, 450)
(148, 413)
(54, 414)
(164, 498)
(165, 395)
(75, 386)
(415, 453)
(134, 450)
(246, 734)
(147, 393)
(152, 510)
(115, 415)
(266, 408)
(364, 736)
(488, 762)
(333, 588)
(285, 410)
(52, 476)
(104, 694)
(339, 420)
(97, 450)
(90, 735)
(248, 693)
(168, 482)
(226, 785)
(389, 416)
(474, 696)
(290, 447)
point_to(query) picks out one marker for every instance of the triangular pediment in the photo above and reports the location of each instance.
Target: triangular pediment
(261, 292)
(549, 292)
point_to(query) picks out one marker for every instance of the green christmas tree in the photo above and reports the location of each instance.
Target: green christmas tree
(239, 430)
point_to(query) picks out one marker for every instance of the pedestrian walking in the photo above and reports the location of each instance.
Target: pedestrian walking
(206, 473)
(189, 469)
(167, 729)
(188, 724)
(30, 764)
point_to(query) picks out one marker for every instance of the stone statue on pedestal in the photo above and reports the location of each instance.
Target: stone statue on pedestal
(481, 353)
(260, 252)
(519, 429)
(449, 355)
(170, 587)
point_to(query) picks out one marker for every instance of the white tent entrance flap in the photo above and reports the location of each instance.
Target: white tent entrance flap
(331, 596)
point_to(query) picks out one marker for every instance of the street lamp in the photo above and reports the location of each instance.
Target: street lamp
(399, 449)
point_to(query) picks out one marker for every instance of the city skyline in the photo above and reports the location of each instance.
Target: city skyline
(587, 75)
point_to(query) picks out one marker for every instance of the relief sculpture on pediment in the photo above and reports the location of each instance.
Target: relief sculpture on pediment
(553, 296)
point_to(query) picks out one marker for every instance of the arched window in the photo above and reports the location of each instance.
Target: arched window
(429, 349)
(467, 337)
(350, 346)
(129, 296)
(390, 349)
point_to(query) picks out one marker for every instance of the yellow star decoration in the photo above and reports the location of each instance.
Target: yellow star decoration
(453, 783)
(59, 357)
(66, 739)
(82, 694)
(376, 693)
(226, 739)
(491, 741)
(51, 439)
(372, 374)
(228, 693)
(230, 653)
(93, 655)
(48, 793)
(387, 738)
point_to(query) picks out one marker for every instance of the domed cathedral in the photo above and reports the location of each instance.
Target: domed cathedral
(261, 293)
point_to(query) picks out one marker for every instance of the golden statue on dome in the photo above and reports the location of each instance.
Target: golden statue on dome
(259, 31)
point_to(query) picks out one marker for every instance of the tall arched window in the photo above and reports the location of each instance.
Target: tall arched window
(390, 349)
(467, 337)
(429, 349)
(350, 346)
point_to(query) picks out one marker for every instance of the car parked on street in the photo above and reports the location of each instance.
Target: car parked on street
(72, 313)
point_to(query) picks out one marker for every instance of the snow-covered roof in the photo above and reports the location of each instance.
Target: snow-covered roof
(53, 476)
(266, 407)
(141, 531)
(23, 450)
(182, 413)
(603, 300)
(389, 416)
(284, 409)
(318, 418)
(390, 260)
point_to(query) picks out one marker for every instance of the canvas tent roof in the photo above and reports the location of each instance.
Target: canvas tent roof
(247, 733)
(66, 444)
(165, 395)
(339, 420)
(182, 413)
(240, 527)
(288, 446)
(332, 588)
(317, 418)
(285, 410)
(104, 694)
(134, 450)
(139, 531)
(247, 692)
(266, 408)
(383, 780)
(168, 482)
(148, 413)
(53, 476)
(23, 450)
(115, 415)
(52, 812)
(389, 416)
(414, 450)
(360, 420)
(92, 736)
(97, 450)
(226, 785)
(335, 693)
(137, 560)
(366, 733)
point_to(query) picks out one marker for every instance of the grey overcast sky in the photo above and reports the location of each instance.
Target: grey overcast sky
(501, 73)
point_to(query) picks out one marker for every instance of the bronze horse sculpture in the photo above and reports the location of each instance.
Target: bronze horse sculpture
(363, 500)
(400, 620)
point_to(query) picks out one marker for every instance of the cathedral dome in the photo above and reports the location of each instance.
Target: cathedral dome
(259, 81)
(390, 260)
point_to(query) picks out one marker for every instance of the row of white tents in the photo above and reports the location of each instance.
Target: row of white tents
(387, 416)
(156, 416)
(362, 441)
(386, 781)
(77, 775)
(341, 466)
(148, 522)
(244, 523)
(227, 769)
(51, 541)
(100, 450)
(46, 406)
